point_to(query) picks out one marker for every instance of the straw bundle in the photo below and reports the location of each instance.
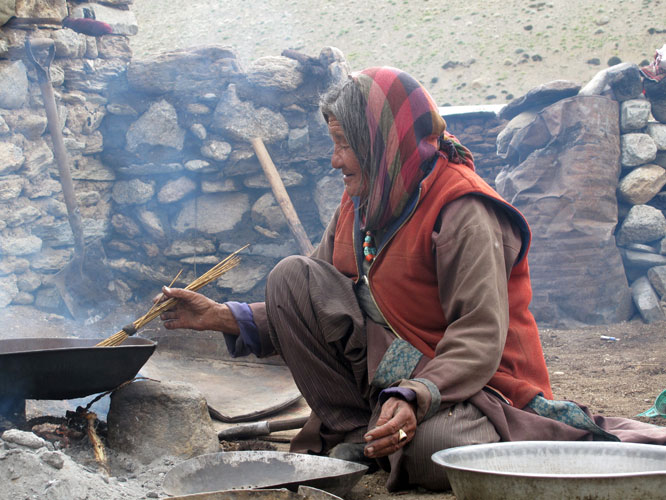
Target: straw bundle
(212, 274)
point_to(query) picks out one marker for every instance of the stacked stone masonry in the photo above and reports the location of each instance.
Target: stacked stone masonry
(166, 178)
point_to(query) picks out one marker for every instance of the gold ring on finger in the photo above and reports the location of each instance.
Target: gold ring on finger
(402, 435)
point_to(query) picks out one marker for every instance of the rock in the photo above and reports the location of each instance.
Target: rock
(298, 139)
(213, 213)
(69, 44)
(267, 212)
(197, 71)
(176, 190)
(641, 184)
(15, 437)
(657, 277)
(218, 186)
(51, 260)
(338, 67)
(125, 226)
(150, 420)
(567, 191)
(539, 97)
(132, 192)
(327, 196)
(32, 125)
(11, 187)
(28, 281)
(33, 8)
(216, 150)
(189, 247)
(123, 22)
(198, 131)
(38, 159)
(11, 158)
(623, 79)
(85, 118)
(244, 122)
(20, 245)
(642, 224)
(114, 47)
(289, 178)
(13, 84)
(636, 149)
(201, 166)
(242, 280)
(509, 148)
(151, 169)
(659, 109)
(152, 224)
(8, 290)
(156, 127)
(91, 169)
(646, 301)
(658, 133)
(276, 72)
(634, 114)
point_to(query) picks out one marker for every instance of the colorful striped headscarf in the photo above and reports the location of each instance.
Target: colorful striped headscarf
(406, 132)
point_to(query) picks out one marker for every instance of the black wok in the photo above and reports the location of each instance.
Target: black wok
(66, 368)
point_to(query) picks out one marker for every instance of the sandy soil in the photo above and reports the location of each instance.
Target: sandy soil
(464, 52)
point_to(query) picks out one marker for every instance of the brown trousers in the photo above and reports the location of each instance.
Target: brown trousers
(318, 328)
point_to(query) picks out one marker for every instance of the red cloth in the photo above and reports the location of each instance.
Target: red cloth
(407, 295)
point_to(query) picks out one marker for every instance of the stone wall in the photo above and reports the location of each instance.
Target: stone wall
(586, 167)
(166, 178)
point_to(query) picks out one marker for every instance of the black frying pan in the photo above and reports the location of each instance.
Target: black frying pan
(59, 368)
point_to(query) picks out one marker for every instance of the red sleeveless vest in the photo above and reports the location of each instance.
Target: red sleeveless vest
(403, 281)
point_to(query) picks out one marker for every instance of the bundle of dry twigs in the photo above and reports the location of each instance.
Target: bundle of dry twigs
(158, 308)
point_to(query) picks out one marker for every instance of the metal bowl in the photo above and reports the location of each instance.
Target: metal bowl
(555, 470)
(237, 470)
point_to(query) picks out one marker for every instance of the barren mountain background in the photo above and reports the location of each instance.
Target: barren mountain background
(464, 51)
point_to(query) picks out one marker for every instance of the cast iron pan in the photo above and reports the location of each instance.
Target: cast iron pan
(59, 368)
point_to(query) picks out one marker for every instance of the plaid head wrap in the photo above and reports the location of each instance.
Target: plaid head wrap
(406, 133)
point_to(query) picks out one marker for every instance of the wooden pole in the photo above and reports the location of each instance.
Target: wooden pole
(282, 196)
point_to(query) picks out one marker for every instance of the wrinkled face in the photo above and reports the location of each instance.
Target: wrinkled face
(344, 159)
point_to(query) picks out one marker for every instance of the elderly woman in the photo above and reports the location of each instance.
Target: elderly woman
(407, 330)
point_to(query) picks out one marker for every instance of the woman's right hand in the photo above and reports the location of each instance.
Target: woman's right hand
(196, 312)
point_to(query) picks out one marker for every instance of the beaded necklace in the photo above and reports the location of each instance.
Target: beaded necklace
(369, 249)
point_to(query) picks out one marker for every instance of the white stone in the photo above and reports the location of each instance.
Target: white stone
(637, 149)
(212, 213)
(634, 114)
(13, 84)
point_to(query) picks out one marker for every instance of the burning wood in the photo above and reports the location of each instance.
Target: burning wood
(98, 446)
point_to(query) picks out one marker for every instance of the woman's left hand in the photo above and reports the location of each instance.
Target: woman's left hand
(396, 415)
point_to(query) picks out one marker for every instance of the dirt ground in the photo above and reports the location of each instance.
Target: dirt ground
(464, 52)
(613, 378)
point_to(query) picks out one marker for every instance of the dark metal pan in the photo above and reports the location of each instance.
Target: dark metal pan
(66, 368)
(239, 470)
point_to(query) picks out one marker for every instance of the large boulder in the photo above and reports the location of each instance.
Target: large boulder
(150, 420)
(566, 188)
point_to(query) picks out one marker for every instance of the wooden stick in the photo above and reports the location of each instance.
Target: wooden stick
(282, 196)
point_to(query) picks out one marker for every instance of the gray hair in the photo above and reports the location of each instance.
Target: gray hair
(347, 103)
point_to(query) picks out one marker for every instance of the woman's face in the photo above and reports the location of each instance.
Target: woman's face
(345, 159)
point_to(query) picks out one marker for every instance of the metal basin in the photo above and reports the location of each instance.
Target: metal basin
(556, 470)
(303, 493)
(261, 469)
(66, 368)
